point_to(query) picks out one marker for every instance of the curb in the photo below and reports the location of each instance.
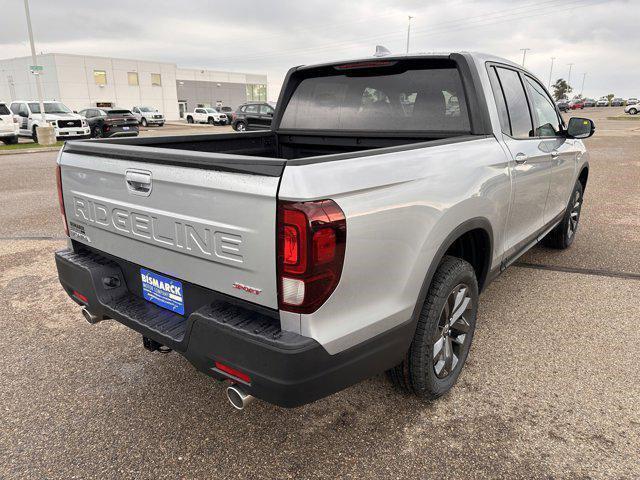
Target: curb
(29, 150)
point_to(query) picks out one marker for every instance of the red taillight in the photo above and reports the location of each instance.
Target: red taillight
(233, 372)
(311, 246)
(60, 200)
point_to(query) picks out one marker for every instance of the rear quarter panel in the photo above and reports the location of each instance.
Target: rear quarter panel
(400, 207)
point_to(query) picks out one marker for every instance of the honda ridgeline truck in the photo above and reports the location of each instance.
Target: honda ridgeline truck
(351, 238)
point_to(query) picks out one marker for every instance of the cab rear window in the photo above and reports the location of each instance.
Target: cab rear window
(399, 98)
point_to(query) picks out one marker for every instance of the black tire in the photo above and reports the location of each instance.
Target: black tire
(10, 140)
(144, 122)
(240, 126)
(98, 132)
(210, 121)
(417, 374)
(34, 134)
(161, 124)
(633, 111)
(189, 119)
(563, 235)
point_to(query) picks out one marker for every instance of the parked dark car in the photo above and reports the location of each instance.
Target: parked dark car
(617, 102)
(111, 122)
(589, 102)
(253, 116)
(563, 105)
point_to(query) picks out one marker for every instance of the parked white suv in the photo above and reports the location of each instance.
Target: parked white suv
(8, 126)
(207, 115)
(148, 116)
(66, 123)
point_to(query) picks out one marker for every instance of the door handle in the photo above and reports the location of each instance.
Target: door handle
(555, 154)
(138, 182)
(521, 158)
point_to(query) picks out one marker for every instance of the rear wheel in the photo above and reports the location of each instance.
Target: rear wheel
(10, 140)
(444, 332)
(189, 119)
(562, 236)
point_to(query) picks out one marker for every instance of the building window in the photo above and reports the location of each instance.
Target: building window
(133, 78)
(100, 77)
(257, 92)
(156, 80)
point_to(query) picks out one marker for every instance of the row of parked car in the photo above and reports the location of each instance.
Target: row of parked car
(22, 117)
(580, 103)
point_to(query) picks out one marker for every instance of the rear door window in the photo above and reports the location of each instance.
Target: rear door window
(4, 110)
(398, 98)
(251, 109)
(517, 105)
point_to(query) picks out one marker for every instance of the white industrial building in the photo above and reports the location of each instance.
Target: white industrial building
(86, 81)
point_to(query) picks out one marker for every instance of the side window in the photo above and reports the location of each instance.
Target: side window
(243, 109)
(23, 111)
(517, 105)
(265, 110)
(501, 105)
(251, 109)
(199, 110)
(136, 110)
(547, 122)
(15, 108)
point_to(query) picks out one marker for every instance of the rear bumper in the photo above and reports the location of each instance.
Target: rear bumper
(284, 368)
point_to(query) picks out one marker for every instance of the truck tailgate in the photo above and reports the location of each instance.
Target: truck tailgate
(212, 228)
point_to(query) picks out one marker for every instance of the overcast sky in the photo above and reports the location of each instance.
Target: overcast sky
(601, 37)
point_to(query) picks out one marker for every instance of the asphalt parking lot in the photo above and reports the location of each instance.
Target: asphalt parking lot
(551, 388)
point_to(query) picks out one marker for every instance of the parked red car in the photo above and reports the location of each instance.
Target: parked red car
(576, 104)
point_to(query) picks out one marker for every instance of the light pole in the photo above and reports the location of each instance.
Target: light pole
(408, 32)
(584, 75)
(35, 61)
(569, 78)
(551, 71)
(524, 54)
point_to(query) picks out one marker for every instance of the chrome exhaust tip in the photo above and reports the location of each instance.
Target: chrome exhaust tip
(238, 397)
(90, 317)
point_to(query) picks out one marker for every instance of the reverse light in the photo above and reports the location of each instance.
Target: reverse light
(61, 200)
(311, 246)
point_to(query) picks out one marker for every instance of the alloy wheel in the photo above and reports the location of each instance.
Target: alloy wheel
(574, 216)
(452, 337)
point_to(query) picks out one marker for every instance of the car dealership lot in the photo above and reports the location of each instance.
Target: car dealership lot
(551, 387)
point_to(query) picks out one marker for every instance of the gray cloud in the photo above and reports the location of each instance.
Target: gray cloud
(600, 37)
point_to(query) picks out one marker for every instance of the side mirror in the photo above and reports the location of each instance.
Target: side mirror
(580, 128)
(75, 111)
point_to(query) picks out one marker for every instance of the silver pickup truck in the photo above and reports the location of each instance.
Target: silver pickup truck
(351, 238)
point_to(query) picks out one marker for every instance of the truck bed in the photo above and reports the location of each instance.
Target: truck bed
(260, 153)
